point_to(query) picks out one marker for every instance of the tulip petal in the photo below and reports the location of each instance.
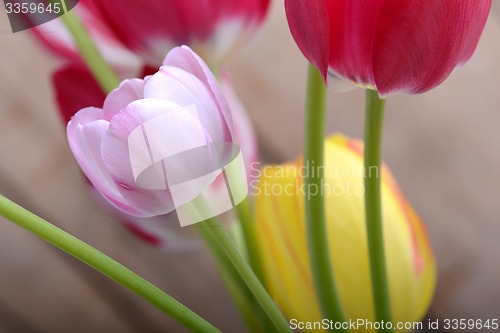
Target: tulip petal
(73, 95)
(417, 46)
(143, 150)
(281, 235)
(309, 27)
(183, 57)
(244, 134)
(141, 25)
(410, 260)
(57, 39)
(128, 91)
(85, 132)
(183, 88)
(351, 38)
(159, 231)
(152, 28)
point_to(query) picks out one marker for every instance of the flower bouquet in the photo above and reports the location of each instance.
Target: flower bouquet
(325, 241)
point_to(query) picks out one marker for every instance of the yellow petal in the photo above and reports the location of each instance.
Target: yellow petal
(282, 240)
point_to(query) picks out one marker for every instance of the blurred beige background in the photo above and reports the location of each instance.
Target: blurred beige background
(443, 147)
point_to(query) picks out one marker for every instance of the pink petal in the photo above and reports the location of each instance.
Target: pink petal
(244, 134)
(128, 91)
(85, 133)
(184, 89)
(143, 150)
(184, 58)
(159, 231)
(417, 45)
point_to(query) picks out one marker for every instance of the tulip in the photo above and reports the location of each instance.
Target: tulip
(128, 30)
(282, 242)
(158, 231)
(213, 34)
(75, 88)
(157, 143)
(244, 134)
(55, 37)
(153, 27)
(393, 46)
(73, 95)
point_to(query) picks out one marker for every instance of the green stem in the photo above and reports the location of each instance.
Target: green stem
(103, 73)
(103, 264)
(239, 291)
(244, 212)
(373, 158)
(245, 216)
(314, 203)
(246, 273)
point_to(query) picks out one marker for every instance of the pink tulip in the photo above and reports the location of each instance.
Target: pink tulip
(393, 46)
(150, 148)
(159, 231)
(76, 89)
(244, 134)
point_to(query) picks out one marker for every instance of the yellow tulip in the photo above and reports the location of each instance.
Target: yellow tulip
(281, 235)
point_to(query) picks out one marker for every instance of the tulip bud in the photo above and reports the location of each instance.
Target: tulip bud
(158, 143)
(393, 46)
(281, 233)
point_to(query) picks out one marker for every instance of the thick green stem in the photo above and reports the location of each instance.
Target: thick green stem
(314, 203)
(103, 264)
(246, 273)
(373, 204)
(102, 72)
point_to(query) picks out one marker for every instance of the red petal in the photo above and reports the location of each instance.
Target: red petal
(148, 26)
(76, 89)
(352, 25)
(148, 70)
(419, 43)
(142, 233)
(308, 22)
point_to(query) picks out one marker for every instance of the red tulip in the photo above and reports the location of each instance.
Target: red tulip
(132, 31)
(76, 88)
(151, 28)
(391, 45)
